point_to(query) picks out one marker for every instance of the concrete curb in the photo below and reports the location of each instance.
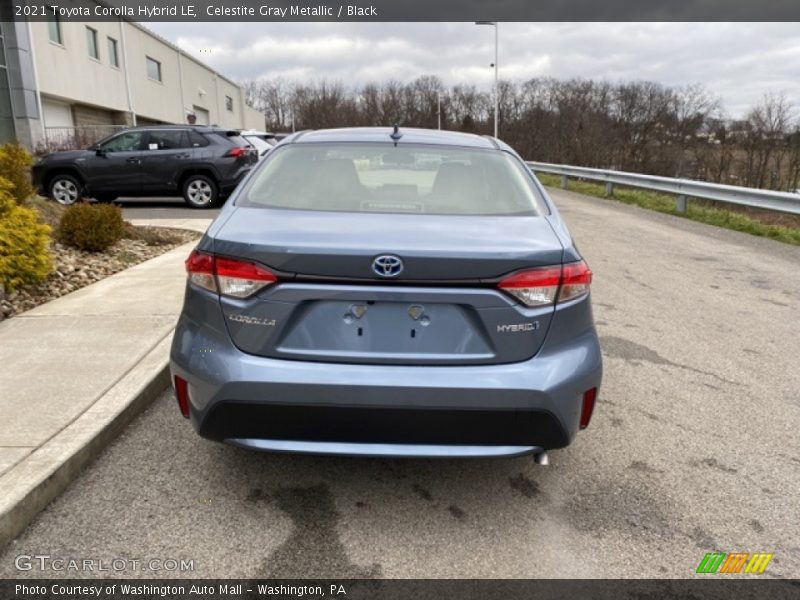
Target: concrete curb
(34, 482)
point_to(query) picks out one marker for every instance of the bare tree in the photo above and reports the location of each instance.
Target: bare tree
(639, 126)
(767, 127)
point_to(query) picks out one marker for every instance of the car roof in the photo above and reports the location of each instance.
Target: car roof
(256, 132)
(410, 135)
(201, 128)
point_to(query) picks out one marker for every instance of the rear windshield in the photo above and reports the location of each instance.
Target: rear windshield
(402, 179)
(257, 142)
(236, 139)
(231, 137)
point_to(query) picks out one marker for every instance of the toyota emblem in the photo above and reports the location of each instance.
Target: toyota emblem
(387, 265)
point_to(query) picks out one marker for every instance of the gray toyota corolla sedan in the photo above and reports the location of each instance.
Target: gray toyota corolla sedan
(385, 291)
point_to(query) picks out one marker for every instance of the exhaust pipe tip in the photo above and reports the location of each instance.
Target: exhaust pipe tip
(542, 458)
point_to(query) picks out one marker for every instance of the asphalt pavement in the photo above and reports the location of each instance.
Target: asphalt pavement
(162, 208)
(693, 448)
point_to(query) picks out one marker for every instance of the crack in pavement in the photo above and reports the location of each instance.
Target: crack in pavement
(635, 353)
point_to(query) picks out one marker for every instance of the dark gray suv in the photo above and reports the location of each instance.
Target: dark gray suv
(203, 164)
(379, 292)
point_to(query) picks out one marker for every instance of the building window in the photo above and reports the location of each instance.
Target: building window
(91, 42)
(7, 130)
(153, 69)
(54, 29)
(229, 103)
(113, 58)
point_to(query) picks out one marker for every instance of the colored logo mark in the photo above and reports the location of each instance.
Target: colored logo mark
(735, 562)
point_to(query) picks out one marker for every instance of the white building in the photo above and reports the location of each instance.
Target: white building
(71, 83)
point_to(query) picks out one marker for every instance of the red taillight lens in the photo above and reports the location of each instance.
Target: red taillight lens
(236, 152)
(241, 279)
(182, 393)
(536, 287)
(546, 285)
(228, 276)
(200, 270)
(575, 281)
(589, 398)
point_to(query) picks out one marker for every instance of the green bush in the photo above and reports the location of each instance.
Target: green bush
(24, 243)
(15, 165)
(91, 227)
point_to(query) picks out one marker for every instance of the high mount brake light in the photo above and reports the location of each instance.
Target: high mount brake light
(227, 276)
(548, 285)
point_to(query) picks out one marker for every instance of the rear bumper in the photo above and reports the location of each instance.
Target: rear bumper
(286, 405)
(384, 450)
(233, 178)
(376, 425)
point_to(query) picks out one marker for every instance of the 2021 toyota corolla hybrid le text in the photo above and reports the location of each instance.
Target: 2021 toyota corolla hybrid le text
(377, 291)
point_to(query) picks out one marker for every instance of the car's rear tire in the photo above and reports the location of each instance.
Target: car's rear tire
(65, 189)
(200, 191)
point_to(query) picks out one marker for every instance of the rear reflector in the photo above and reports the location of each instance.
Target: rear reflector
(589, 397)
(228, 276)
(546, 285)
(182, 393)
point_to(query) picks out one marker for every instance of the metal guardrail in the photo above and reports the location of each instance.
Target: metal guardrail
(682, 188)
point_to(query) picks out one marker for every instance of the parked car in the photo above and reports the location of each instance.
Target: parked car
(262, 141)
(338, 305)
(203, 164)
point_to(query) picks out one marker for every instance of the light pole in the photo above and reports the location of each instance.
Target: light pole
(439, 108)
(496, 67)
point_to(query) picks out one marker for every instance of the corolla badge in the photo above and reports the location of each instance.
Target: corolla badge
(248, 320)
(387, 265)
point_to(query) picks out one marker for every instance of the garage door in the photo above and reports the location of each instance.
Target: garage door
(201, 114)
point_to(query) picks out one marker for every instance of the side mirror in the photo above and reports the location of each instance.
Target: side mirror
(99, 152)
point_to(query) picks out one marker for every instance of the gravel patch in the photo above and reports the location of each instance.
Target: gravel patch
(74, 269)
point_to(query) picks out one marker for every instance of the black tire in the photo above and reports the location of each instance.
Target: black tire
(200, 191)
(65, 189)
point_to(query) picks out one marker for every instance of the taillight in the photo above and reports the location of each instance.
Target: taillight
(589, 398)
(241, 279)
(236, 152)
(200, 270)
(536, 287)
(575, 281)
(227, 276)
(182, 394)
(547, 285)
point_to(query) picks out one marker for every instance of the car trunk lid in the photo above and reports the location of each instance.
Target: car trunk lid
(329, 304)
(341, 245)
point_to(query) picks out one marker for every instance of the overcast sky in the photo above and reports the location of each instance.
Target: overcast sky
(740, 62)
